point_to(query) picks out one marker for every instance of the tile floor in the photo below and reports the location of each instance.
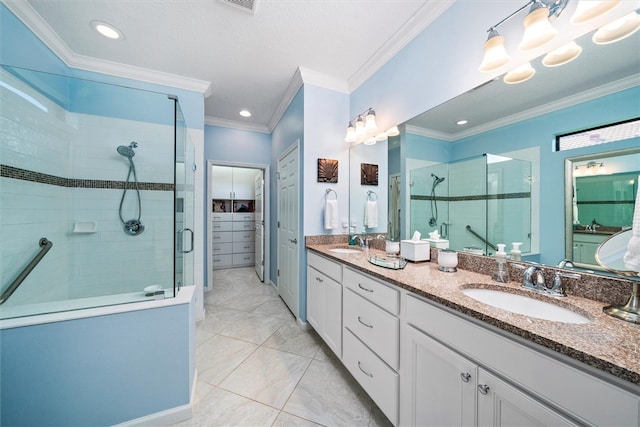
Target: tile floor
(257, 367)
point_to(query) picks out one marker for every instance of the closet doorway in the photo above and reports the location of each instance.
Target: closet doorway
(237, 219)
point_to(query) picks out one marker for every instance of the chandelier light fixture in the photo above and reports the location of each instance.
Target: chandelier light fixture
(539, 31)
(366, 129)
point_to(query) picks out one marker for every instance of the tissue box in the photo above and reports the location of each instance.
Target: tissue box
(415, 250)
(438, 243)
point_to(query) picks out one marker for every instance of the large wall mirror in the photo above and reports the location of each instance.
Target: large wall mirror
(499, 172)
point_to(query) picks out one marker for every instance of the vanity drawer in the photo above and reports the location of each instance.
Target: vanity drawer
(221, 216)
(221, 226)
(384, 296)
(377, 379)
(243, 216)
(221, 248)
(379, 330)
(243, 259)
(242, 247)
(222, 237)
(243, 226)
(243, 236)
(221, 261)
(327, 267)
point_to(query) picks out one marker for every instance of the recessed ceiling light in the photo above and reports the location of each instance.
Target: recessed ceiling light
(107, 30)
(462, 122)
(245, 113)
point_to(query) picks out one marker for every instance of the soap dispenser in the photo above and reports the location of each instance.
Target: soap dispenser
(352, 236)
(502, 273)
(516, 254)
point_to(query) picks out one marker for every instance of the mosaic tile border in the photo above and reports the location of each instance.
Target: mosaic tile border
(502, 196)
(43, 178)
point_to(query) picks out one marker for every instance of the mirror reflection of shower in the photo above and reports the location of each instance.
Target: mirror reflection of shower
(132, 227)
(433, 221)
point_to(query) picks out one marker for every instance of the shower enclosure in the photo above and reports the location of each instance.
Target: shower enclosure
(475, 203)
(120, 226)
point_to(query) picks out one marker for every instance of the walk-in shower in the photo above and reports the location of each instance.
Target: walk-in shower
(132, 227)
(63, 178)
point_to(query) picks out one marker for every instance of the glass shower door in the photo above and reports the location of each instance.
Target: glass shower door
(184, 204)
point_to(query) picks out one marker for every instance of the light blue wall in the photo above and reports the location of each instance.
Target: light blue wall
(289, 129)
(540, 132)
(96, 371)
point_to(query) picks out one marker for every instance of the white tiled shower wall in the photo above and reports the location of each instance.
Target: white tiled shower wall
(72, 145)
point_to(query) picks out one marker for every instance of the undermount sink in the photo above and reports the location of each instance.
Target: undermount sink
(345, 250)
(522, 304)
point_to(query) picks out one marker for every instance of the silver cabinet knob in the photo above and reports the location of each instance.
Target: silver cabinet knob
(465, 376)
(483, 388)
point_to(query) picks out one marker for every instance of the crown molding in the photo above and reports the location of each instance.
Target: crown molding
(428, 13)
(323, 80)
(428, 133)
(233, 124)
(23, 10)
(588, 95)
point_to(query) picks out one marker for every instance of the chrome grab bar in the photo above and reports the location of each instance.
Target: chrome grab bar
(45, 245)
(491, 245)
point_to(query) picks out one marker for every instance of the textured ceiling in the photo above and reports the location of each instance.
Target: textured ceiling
(250, 58)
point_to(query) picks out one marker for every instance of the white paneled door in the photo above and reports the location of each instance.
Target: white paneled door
(288, 207)
(259, 218)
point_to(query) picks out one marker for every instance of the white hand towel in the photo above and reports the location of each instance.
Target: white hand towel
(371, 214)
(331, 214)
(632, 256)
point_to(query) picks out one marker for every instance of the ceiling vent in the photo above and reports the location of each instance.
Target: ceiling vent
(246, 5)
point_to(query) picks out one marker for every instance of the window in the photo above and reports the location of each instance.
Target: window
(599, 135)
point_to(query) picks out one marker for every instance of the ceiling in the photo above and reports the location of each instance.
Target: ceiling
(249, 57)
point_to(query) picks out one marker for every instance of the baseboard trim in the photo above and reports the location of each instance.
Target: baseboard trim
(167, 417)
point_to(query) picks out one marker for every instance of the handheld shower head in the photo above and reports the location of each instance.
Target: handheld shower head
(127, 151)
(436, 179)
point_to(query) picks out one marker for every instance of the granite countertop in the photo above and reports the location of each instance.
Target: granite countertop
(606, 343)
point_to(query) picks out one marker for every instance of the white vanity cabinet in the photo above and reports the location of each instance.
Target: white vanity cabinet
(512, 384)
(372, 338)
(324, 300)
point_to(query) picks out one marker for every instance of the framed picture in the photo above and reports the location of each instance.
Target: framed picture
(368, 174)
(328, 170)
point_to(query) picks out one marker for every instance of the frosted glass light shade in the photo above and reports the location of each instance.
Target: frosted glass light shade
(370, 141)
(370, 122)
(393, 131)
(537, 30)
(520, 74)
(360, 131)
(588, 10)
(618, 29)
(495, 56)
(562, 55)
(351, 134)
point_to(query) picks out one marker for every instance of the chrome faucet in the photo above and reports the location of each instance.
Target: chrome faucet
(566, 263)
(557, 288)
(533, 279)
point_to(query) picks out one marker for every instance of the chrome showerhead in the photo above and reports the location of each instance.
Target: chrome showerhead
(127, 151)
(436, 179)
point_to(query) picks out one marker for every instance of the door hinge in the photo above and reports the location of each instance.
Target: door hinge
(278, 272)
(278, 224)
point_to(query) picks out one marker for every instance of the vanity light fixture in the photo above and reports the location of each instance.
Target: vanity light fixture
(618, 29)
(107, 30)
(588, 10)
(366, 129)
(495, 56)
(562, 55)
(520, 74)
(538, 31)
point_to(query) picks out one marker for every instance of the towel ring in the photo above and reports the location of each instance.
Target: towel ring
(329, 191)
(370, 194)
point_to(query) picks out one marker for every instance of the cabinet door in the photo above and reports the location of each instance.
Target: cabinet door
(314, 299)
(332, 301)
(243, 183)
(500, 404)
(438, 385)
(221, 182)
